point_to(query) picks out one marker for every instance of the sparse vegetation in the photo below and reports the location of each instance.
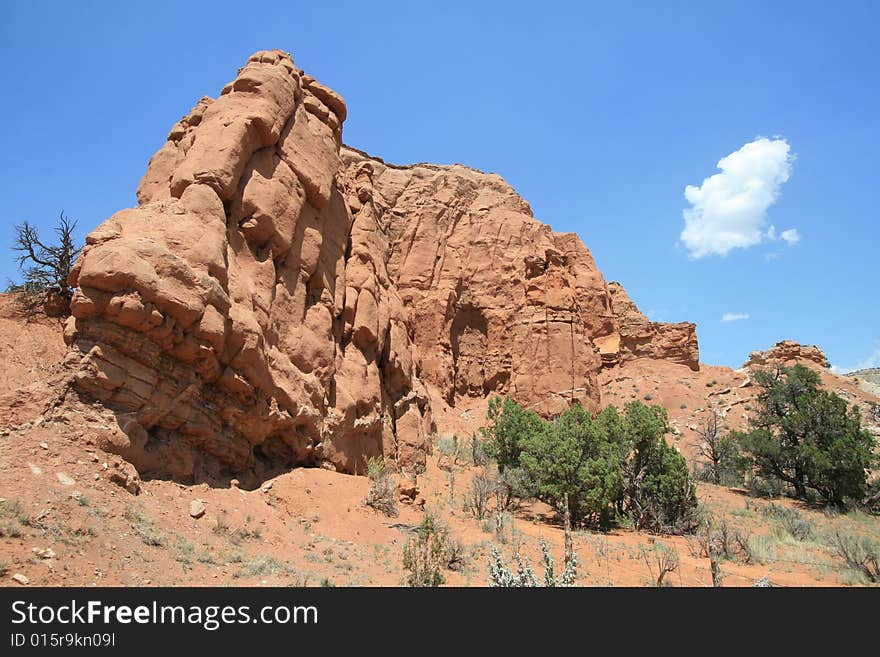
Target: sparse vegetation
(719, 541)
(455, 449)
(13, 519)
(860, 554)
(184, 550)
(722, 463)
(144, 527)
(501, 576)
(661, 561)
(426, 555)
(479, 495)
(456, 555)
(235, 536)
(262, 565)
(791, 521)
(383, 490)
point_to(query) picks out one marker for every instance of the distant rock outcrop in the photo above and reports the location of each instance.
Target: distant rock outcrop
(278, 299)
(788, 352)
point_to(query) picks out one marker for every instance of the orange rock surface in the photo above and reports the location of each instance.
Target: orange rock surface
(278, 299)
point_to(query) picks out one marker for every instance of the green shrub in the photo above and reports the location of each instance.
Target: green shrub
(511, 488)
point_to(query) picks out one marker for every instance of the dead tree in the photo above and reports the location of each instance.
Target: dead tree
(46, 267)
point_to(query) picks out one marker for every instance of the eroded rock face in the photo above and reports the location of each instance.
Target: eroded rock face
(277, 299)
(212, 316)
(642, 338)
(499, 304)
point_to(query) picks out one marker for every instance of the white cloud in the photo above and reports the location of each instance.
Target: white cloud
(729, 209)
(734, 317)
(791, 236)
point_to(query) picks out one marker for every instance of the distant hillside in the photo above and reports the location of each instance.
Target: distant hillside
(868, 380)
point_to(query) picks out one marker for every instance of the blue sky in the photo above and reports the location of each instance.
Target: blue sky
(600, 114)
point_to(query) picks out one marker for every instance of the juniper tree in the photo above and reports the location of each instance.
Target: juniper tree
(808, 438)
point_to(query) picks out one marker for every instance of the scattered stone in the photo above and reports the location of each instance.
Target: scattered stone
(196, 509)
(65, 479)
(44, 445)
(35, 469)
(407, 493)
(21, 579)
(124, 475)
(266, 487)
(46, 553)
(763, 583)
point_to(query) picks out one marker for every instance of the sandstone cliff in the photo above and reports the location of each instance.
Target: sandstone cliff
(277, 299)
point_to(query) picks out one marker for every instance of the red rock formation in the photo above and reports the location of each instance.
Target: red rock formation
(213, 316)
(278, 300)
(641, 338)
(498, 302)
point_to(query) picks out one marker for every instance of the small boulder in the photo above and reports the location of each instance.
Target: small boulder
(124, 475)
(47, 553)
(196, 509)
(21, 579)
(407, 493)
